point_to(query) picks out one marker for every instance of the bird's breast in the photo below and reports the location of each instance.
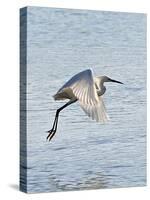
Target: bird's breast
(101, 91)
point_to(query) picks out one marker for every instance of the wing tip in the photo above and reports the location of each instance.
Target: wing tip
(90, 70)
(96, 112)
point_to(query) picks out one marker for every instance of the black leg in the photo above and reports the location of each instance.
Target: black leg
(54, 128)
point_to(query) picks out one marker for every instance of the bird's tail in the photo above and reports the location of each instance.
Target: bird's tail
(55, 96)
(58, 96)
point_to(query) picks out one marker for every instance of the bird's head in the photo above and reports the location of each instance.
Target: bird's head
(107, 79)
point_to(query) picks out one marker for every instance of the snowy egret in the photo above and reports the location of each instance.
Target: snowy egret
(86, 89)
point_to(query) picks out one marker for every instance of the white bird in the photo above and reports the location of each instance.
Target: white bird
(86, 89)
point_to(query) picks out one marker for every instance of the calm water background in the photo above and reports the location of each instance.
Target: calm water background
(85, 154)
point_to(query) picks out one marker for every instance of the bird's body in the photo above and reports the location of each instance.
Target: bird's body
(86, 89)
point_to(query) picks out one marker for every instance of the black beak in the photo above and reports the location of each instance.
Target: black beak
(115, 81)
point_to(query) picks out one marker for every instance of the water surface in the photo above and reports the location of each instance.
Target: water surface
(85, 154)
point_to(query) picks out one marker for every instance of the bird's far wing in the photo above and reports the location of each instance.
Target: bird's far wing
(96, 112)
(82, 86)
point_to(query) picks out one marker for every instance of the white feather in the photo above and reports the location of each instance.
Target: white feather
(96, 112)
(82, 87)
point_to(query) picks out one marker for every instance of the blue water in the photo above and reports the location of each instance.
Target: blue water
(85, 154)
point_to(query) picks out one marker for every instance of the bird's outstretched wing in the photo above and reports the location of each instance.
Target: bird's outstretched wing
(83, 87)
(96, 112)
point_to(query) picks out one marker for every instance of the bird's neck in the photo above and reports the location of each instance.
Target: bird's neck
(100, 87)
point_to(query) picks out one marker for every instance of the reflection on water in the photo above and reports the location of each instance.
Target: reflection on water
(95, 182)
(85, 154)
